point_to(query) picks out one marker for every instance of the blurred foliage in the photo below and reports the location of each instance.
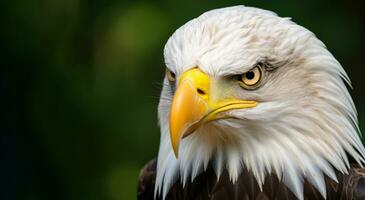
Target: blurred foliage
(80, 83)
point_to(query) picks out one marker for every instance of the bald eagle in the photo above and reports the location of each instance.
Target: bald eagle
(253, 106)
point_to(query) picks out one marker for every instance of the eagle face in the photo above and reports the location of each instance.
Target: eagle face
(245, 88)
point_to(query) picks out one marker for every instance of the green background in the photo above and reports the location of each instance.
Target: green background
(80, 83)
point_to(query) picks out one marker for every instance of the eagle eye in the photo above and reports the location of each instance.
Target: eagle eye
(252, 79)
(170, 75)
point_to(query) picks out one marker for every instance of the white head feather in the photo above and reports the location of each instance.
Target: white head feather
(305, 121)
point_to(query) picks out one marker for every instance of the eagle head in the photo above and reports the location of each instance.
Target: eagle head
(247, 89)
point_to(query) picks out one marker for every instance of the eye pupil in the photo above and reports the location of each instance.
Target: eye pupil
(251, 79)
(170, 75)
(250, 75)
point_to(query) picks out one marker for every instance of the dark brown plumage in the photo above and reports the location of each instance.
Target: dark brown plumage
(205, 186)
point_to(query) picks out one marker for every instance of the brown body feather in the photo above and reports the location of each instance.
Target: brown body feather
(205, 186)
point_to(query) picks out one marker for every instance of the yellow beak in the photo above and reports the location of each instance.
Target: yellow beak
(192, 106)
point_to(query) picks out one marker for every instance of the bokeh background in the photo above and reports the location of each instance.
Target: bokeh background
(80, 82)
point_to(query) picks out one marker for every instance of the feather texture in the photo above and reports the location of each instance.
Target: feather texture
(206, 186)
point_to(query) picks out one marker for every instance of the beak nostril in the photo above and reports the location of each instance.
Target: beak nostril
(200, 91)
